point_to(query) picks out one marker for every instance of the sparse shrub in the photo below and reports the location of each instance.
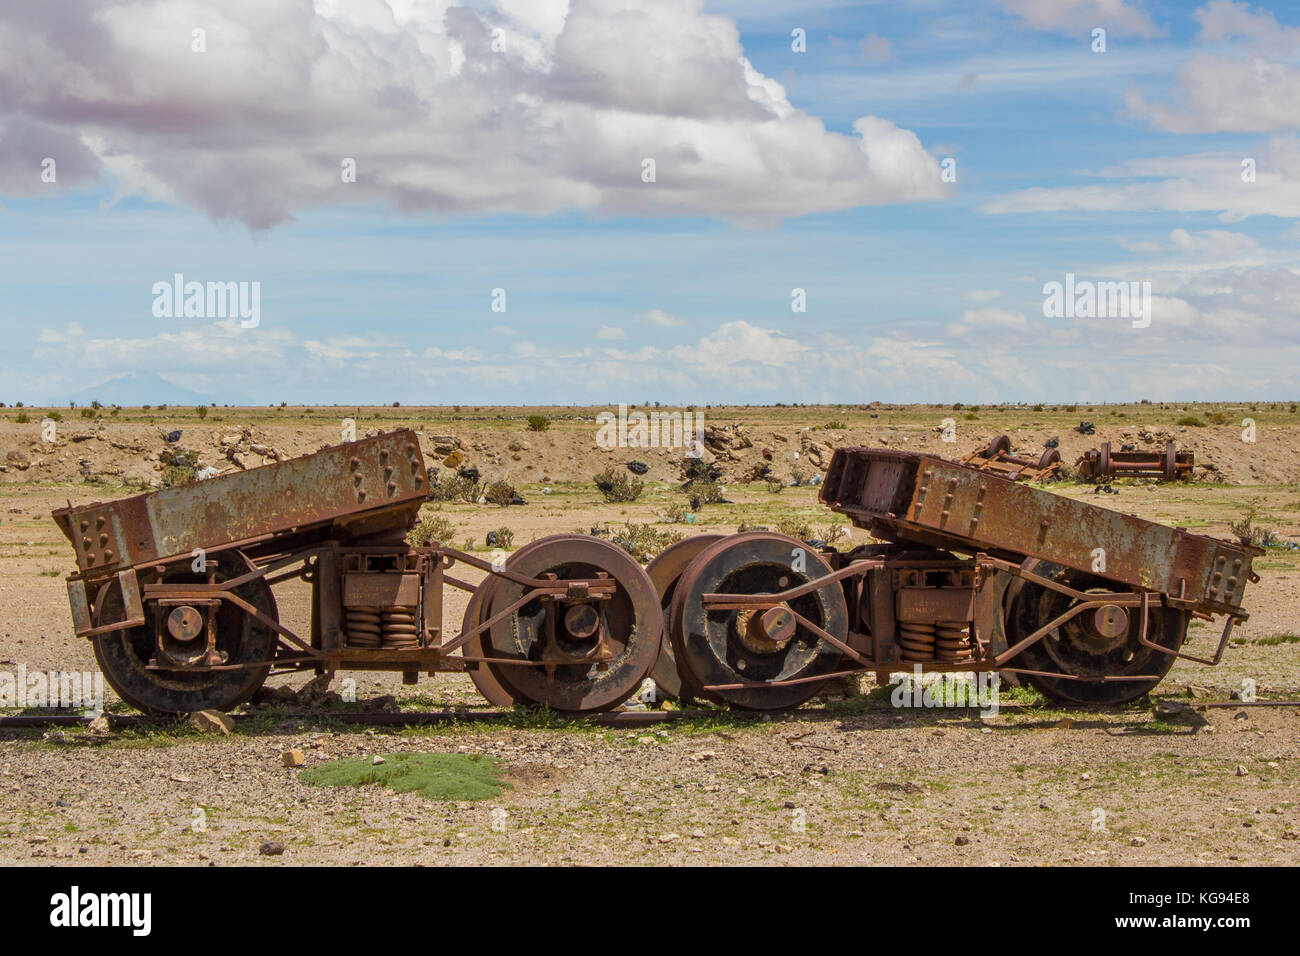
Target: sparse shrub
(453, 487)
(617, 485)
(970, 416)
(705, 493)
(644, 541)
(1191, 421)
(87, 413)
(538, 423)
(833, 532)
(796, 528)
(55, 416)
(1038, 408)
(835, 425)
(774, 485)
(502, 537)
(201, 411)
(431, 527)
(177, 474)
(797, 476)
(500, 493)
(1248, 533)
(23, 418)
(675, 514)
(1217, 418)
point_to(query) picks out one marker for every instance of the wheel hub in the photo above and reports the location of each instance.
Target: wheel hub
(765, 632)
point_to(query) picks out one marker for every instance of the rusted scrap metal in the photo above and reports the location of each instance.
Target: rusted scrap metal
(1103, 464)
(999, 459)
(971, 571)
(175, 588)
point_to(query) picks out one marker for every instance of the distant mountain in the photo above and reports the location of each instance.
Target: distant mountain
(141, 388)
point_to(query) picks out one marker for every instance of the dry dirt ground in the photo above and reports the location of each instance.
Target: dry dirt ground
(845, 781)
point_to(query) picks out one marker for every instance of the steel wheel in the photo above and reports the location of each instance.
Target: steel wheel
(742, 646)
(482, 675)
(123, 655)
(597, 651)
(665, 571)
(1000, 444)
(1098, 643)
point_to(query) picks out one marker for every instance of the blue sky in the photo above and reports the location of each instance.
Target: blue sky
(1120, 165)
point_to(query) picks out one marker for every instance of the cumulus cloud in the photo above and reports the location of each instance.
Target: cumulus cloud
(531, 107)
(661, 318)
(610, 333)
(1219, 92)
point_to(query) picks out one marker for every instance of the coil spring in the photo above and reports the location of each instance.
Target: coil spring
(942, 641)
(389, 627)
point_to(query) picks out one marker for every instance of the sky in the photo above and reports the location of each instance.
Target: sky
(686, 201)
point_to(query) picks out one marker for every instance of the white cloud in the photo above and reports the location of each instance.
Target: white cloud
(560, 118)
(988, 321)
(1079, 17)
(1210, 182)
(610, 333)
(984, 295)
(662, 319)
(1227, 92)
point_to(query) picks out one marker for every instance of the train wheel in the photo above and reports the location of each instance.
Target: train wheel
(482, 675)
(998, 445)
(718, 646)
(1099, 643)
(123, 656)
(1049, 458)
(598, 651)
(665, 571)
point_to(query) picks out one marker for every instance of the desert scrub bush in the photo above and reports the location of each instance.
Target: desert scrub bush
(1217, 418)
(797, 476)
(796, 528)
(23, 418)
(1248, 533)
(500, 493)
(201, 411)
(87, 413)
(55, 416)
(618, 485)
(454, 487)
(774, 485)
(644, 541)
(704, 493)
(835, 425)
(675, 514)
(1190, 421)
(538, 423)
(502, 537)
(177, 474)
(431, 527)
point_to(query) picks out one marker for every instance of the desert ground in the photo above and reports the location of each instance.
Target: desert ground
(844, 780)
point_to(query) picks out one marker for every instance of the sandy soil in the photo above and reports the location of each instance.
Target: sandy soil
(855, 781)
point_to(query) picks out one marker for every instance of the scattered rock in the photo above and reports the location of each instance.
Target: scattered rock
(271, 848)
(637, 467)
(293, 758)
(1138, 841)
(1242, 771)
(99, 726)
(212, 722)
(377, 760)
(961, 839)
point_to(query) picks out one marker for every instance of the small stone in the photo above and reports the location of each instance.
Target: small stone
(1138, 841)
(212, 722)
(99, 726)
(271, 848)
(293, 758)
(668, 838)
(1241, 770)
(377, 760)
(961, 839)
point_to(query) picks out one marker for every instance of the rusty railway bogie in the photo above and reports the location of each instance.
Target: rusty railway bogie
(974, 572)
(175, 589)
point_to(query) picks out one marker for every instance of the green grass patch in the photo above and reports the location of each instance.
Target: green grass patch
(436, 776)
(1274, 639)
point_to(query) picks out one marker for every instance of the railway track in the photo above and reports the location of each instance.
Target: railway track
(629, 719)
